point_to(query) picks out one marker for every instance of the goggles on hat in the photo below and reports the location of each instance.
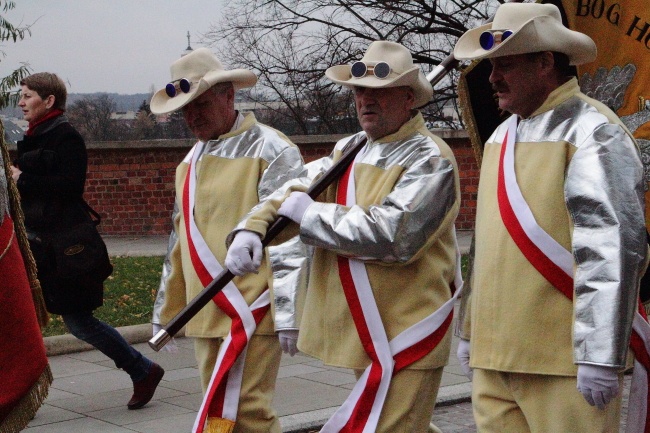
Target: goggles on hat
(360, 69)
(490, 38)
(182, 84)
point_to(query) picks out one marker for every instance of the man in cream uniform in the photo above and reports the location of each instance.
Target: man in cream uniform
(385, 255)
(236, 163)
(560, 237)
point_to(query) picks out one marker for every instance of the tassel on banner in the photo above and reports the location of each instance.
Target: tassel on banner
(220, 425)
(26, 408)
(21, 235)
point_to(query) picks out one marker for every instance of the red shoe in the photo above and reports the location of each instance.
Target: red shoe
(143, 390)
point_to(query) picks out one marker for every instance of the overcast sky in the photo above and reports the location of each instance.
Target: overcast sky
(121, 46)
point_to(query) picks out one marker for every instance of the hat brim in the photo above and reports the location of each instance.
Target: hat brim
(536, 35)
(161, 103)
(413, 77)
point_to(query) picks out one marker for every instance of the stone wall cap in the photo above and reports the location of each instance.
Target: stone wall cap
(445, 134)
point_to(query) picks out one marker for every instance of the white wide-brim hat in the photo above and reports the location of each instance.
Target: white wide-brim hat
(203, 70)
(402, 71)
(535, 28)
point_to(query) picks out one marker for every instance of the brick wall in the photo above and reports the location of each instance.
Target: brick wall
(131, 184)
(469, 174)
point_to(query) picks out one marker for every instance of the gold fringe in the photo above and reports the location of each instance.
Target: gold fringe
(647, 308)
(19, 228)
(26, 408)
(220, 425)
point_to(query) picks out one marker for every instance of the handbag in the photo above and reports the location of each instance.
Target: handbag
(80, 254)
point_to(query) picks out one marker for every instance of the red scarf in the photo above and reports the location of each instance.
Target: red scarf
(50, 115)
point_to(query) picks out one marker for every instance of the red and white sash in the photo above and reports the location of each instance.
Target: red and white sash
(638, 415)
(555, 264)
(361, 410)
(222, 397)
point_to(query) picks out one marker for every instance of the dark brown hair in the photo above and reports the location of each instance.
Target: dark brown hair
(561, 63)
(46, 84)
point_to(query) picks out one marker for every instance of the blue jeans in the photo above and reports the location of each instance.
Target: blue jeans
(107, 340)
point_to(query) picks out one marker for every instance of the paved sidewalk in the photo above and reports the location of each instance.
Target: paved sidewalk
(89, 394)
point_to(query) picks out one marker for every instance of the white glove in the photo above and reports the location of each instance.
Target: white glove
(245, 253)
(597, 384)
(171, 346)
(294, 206)
(289, 341)
(463, 356)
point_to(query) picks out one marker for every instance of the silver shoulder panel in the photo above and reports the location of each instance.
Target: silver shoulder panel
(261, 142)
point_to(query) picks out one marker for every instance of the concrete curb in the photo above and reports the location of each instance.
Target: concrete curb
(67, 343)
(311, 421)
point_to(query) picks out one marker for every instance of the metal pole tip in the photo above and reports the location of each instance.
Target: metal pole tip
(159, 340)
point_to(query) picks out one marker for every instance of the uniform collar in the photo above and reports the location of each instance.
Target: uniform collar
(558, 96)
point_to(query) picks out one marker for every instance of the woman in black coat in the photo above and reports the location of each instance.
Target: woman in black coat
(50, 171)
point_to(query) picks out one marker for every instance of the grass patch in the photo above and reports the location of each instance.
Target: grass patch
(464, 265)
(128, 294)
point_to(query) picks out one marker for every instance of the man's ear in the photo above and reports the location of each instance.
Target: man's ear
(230, 94)
(547, 61)
(410, 98)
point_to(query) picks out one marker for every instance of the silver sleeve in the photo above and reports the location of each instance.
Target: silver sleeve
(395, 229)
(166, 270)
(283, 168)
(605, 198)
(289, 261)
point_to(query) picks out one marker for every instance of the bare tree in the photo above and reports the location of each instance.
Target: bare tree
(91, 115)
(290, 43)
(176, 127)
(145, 126)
